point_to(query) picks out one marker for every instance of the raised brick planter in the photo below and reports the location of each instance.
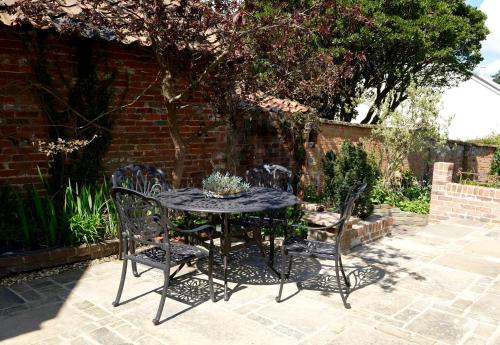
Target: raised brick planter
(358, 232)
(457, 201)
(401, 217)
(55, 257)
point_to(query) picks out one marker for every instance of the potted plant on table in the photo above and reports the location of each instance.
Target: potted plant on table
(224, 186)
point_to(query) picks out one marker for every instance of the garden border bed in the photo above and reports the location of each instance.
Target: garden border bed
(46, 258)
(399, 217)
(358, 232)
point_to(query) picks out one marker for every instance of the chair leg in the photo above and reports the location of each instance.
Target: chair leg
(225, 251)
(166, 282)
(257, 237)
(134, 264)
(210, 271)
(289, 267)
(347, 282)
(337, 273)
(226, 296)
(122, 282)
(282, 276)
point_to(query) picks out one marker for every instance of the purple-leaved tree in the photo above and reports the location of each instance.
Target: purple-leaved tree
(229, 48)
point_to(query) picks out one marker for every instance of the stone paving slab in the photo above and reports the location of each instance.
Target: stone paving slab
(434, 285)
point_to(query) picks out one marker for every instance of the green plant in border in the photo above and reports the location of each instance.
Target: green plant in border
(23, 218)
(45, 215)
(14, 216)
(86, 228)
(90, 213)
(495, 163)
(349, 169)
(409, 195)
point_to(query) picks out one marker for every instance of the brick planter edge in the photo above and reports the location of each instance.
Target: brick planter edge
(46, 258)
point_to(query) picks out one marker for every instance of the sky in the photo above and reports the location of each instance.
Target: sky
(491, 46)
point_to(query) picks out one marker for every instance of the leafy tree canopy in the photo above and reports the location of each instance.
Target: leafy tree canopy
(286, 48)
(496, 77)
(431, 43)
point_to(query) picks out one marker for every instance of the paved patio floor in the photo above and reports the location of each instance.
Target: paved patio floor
(434, 285)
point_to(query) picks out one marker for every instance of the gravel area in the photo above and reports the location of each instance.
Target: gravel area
(47, 272)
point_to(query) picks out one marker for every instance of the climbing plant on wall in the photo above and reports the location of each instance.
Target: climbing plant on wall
(79, 119)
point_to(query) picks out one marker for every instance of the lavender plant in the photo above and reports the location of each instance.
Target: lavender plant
(218, 185)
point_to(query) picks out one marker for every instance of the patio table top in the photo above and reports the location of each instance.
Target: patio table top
(256, 199)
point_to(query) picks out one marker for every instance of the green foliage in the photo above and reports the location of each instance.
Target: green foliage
(495, 163)
(23, 218)
(489, 184)
(86, 228)
(13, 217)
(432, 43)
(45, 215)
(28, 217)
(413, 129)
(348, 170)
(90, 213)
(490, 139)
(496, 77)
(408, 195)
(218, 184)
(33, 218)
(311, 194)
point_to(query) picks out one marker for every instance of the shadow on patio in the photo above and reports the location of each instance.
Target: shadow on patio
(67, 301)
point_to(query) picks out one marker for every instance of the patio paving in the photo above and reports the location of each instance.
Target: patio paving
(434, 285)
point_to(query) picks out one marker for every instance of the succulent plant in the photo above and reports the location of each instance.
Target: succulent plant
(220, 185)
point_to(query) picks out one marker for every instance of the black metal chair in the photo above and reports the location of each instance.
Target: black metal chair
(142, 178)
(270, 176)
(299, 247)
(142, 219)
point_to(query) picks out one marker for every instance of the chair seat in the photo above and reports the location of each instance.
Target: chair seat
(179, 253)
(296, 246)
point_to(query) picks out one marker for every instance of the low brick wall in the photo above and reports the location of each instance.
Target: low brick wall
(360, 232)
(331, 134)
(457, 201)
(55, 257)
(401, 217)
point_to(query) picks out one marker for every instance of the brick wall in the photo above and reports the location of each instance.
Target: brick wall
(478, 158)
(331, 135)
(457, 201)
(140, 132)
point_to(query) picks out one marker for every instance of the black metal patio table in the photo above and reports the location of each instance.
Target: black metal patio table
(256, 199)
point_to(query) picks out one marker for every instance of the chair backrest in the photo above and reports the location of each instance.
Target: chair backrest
(143, 178)
(270, 176)
(141, 217)
(347, 208)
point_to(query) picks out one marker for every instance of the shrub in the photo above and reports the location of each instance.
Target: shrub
(409, 195)
(490, 139)
(349, 169)
(311, 194)
(495, 163)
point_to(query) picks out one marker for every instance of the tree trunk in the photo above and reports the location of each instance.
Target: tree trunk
(180, 147)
